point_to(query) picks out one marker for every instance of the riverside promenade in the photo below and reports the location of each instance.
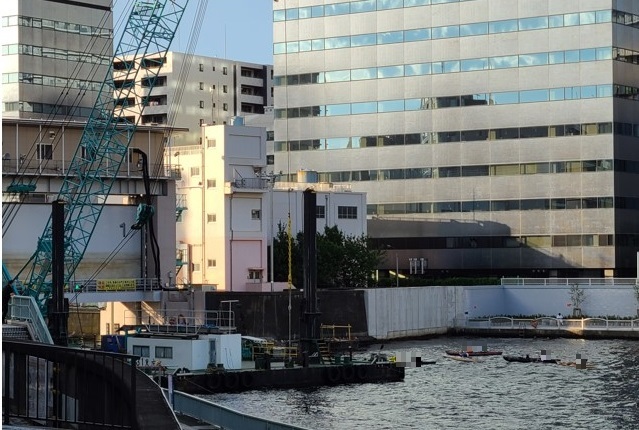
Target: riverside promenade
(585, 328)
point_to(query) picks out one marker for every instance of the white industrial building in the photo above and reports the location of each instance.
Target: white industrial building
(226, 224)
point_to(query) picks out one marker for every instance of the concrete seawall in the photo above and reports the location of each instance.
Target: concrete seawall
(397, 313)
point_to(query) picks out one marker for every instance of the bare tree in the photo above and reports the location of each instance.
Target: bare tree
(577, 297)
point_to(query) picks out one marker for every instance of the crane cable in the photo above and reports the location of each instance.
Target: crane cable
(173, 110)
(183, 75)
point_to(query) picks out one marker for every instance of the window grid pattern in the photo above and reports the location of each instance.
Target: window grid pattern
(516, 169)
(424, 138)
(568, 203)
(444, 32)
(49, 81)
(524, 241)
(61, 26)
(466, 65)
(482, 99)
(26, 106)
(57, 54)
(292, 14)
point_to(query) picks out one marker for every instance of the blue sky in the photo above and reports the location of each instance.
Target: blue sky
(247, 24)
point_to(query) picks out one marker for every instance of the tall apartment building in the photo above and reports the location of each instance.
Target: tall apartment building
(491, 136)
(194, 91)
(55, 56)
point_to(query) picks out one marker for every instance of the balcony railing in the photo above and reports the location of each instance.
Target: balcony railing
(250, 183)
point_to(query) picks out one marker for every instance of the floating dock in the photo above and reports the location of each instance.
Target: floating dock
(284, 377)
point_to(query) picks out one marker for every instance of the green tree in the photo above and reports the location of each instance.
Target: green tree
(342, 261)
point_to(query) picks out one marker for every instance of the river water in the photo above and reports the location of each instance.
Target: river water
(489, 394)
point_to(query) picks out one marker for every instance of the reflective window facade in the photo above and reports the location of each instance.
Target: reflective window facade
(519, 129)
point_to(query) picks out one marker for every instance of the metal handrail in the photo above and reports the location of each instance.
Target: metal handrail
(224, 417)
(178, 322)
(553, 323)
(25, 309)
(61, 386)
(91, 285)
(325, 329)
(570, 281)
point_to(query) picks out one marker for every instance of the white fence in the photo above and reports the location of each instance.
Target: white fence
(570, 281)
(546, 323)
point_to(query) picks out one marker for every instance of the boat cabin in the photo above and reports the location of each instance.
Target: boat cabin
(197, 352)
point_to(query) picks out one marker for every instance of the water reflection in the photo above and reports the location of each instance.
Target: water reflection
(491, 394)
(308, 402)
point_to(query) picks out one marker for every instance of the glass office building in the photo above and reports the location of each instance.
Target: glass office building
(491, 136)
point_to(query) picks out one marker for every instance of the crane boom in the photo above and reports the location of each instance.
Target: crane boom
(105, 140)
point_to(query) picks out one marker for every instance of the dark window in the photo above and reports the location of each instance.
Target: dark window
(142, 351)
(504, 205)
(472, 135)
(528, 132)
(347, 212)
(163, 352)
(475, 171)
(506, 133)
(449, 172)
(559, 241)
(45, 151)
(320, 212)
(534, 204)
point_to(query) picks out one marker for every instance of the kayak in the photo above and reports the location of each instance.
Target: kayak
(462, 359)
(475, 353)
(519, 359)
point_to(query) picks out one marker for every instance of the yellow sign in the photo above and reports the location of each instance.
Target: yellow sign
(115, 284)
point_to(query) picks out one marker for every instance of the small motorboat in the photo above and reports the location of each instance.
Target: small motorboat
(474, 353)
(528, 359)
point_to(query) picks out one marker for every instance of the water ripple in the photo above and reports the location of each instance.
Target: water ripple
(491, 394)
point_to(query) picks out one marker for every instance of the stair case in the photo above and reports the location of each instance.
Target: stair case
(325, 354)
(15, 332)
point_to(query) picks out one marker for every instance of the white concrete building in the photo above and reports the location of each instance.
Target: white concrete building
(191, 92)
(226, 229)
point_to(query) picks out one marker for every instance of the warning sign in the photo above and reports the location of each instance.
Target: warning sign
(115, 284)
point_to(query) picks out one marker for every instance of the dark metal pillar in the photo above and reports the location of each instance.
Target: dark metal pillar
(58, 307)
(310, 324)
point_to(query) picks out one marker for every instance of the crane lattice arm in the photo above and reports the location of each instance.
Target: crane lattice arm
(105, 141)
